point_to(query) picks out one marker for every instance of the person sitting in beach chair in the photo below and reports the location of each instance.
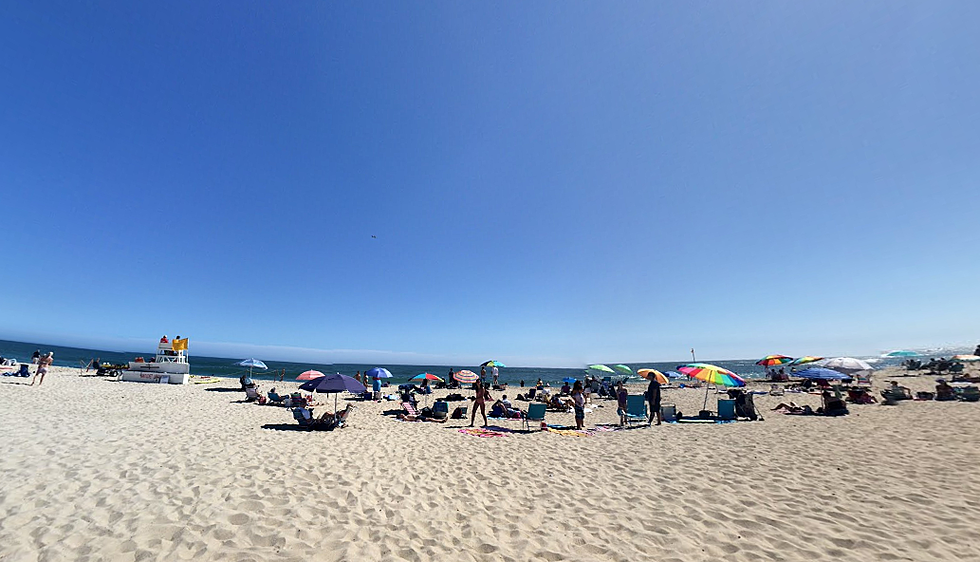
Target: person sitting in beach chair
(275, 398)
(894, 393)
(252, 394)
(832, 405)
(944, 391)
(860, 395)
(744, 404)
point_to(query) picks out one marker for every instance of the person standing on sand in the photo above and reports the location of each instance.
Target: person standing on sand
(35, 356)
(495, 373)
(480, 401)
(483, 375)
(578, 399)
(622, 400)
(42, 367)
(653, 397)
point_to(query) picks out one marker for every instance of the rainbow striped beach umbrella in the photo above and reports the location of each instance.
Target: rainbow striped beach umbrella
(805, 359)
(425, 376)
(711, 374)
(770, 360)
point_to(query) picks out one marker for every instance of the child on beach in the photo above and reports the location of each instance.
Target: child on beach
(622, 396)
(578, 398)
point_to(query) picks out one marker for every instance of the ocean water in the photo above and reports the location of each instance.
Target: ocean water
(226, 367)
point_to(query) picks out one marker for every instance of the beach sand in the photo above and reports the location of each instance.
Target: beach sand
(95, 469)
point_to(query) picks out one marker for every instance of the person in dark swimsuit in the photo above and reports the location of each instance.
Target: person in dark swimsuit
(653, 397)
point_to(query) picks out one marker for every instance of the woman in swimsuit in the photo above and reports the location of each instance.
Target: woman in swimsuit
(480, 401)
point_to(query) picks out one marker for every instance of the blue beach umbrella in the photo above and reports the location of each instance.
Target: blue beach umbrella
(252, 363)
(821, 373)
(378, 373)
(673, 375)
(903, 353)
(333, 384)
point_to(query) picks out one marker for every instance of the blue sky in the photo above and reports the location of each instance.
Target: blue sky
(549, 183)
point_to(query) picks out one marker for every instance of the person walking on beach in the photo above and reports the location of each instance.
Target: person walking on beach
(578, 401)
(480, 401)
(653, 397)
(495, 373)
(42, 367)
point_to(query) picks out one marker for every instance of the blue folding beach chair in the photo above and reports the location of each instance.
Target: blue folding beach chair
(636, 409)
(726, 409)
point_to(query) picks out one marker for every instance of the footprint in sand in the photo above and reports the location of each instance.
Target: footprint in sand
(239, 519)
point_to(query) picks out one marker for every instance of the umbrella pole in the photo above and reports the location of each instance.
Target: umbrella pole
(705, 396)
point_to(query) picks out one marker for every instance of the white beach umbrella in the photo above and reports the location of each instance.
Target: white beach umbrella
(847, 365)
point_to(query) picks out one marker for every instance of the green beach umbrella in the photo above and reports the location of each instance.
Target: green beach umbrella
(623, 369)
(601, 368)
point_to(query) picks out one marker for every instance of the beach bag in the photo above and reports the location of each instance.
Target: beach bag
(457, 414)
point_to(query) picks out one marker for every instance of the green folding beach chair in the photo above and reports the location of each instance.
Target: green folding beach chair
(535, 413)
(636, 409)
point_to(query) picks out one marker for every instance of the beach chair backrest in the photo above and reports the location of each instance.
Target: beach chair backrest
(441, 406)
(536, 411)
(636, 405)
(669, 412)
(410, 409)
(726, 409)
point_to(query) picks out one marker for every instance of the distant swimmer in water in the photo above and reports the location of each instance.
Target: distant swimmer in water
(373, 236)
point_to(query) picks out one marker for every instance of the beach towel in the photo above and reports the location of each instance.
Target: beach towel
(569, 432)
(480, 432)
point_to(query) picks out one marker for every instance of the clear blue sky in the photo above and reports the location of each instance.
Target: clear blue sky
(549, 183)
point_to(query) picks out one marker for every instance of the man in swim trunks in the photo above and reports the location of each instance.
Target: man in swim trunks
(42, 367)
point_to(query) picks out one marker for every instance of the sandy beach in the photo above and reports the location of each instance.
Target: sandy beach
(101, 470)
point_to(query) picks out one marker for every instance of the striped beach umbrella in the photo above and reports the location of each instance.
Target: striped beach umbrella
(711, 374)
(466, 377)
(425, 376)
(771, 360)
(309, 375)
(650, 374)
(805, 359)
(966, 357)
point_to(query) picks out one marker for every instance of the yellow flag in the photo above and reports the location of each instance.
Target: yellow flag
(179, 345)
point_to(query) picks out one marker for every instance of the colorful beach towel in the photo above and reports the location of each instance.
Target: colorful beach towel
(480, 432)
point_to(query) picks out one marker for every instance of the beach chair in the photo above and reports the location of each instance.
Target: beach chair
(300, 415)
(776, 390)
(726, 409)
(535, 413)
(668, 412)
(636, 409)
(276, 398)
(440, 409)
